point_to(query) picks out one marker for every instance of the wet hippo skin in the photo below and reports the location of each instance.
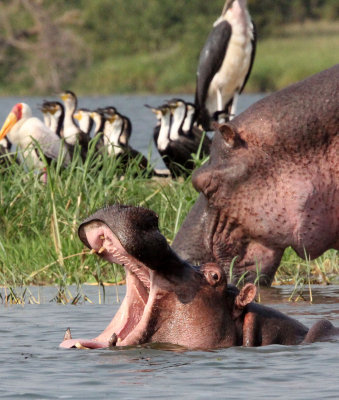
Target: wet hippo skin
(170, 301)
(272, 181)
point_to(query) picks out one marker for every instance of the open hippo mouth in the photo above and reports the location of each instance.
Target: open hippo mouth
(132, 324)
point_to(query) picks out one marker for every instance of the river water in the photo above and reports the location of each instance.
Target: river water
(34, 367)
(133, 106)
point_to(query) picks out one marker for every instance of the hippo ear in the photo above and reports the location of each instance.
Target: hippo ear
(229, 134)
(246, 295)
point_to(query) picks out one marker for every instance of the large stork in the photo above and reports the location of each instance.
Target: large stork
(225, 64)
(24, 130)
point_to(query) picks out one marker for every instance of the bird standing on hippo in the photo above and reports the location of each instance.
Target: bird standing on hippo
(272, 181)
(170, 301)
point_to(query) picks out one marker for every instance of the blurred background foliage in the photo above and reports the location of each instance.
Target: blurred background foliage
(119, 46)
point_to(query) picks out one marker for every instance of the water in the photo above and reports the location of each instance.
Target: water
(143, 120)
(34, 367)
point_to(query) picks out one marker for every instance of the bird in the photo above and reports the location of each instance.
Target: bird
(189, 119)
(225, 64)
(25, 131)
(161, 131)
(71, 132)
(117, 131)
(85, 120)
(177, 137)
(44, 108)
(98, 119)
(7, 158)
(54, 114)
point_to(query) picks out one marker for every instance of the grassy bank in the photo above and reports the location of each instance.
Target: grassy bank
(38, 229)
(291, 54)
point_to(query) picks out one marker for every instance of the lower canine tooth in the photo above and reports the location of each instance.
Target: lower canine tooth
(78, 345)
(101, 250)
(113, 340)
(67, 335)
(93, 251)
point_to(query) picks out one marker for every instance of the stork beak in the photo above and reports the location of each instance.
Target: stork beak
(227, 6)
(11, 120)
(153, 109)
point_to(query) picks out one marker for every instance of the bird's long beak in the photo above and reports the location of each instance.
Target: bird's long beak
(8, 124)
(227, 6)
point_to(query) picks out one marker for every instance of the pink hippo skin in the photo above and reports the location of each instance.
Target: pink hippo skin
(272, 181)
(170, 301)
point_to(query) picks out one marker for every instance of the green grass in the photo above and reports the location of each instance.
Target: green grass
(38, 230)
(38, 223)
(296, 52)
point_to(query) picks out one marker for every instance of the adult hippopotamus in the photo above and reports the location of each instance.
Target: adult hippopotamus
(170, 301)
(272, 181)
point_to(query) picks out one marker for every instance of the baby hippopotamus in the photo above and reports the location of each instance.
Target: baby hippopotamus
(170, 301)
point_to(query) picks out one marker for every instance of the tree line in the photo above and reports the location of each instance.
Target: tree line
(44, 43)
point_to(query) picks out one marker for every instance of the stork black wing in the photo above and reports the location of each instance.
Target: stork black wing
(211, 58)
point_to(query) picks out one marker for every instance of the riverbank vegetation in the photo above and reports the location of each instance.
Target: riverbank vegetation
(38, 223)
(105, 47)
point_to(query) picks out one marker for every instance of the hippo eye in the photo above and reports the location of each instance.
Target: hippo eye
(215, 276)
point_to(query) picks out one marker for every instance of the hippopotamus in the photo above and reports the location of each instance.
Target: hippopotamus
(169, 300)
(272, 181)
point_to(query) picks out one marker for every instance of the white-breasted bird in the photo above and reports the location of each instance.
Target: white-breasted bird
(85, 120)
(23, 130)
(225, 64)
(71, 132)
(177, 137)
(54, 114)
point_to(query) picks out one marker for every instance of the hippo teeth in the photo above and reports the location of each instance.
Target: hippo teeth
(101, 250)
(113, 340)
(78, 345)
(67, 335)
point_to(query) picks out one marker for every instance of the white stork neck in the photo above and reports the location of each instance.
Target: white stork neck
(112, 132)
(47, 119)
(177, 121)
(237, 15)
(54, 119)
(163, 138)
(71, 130)
(188, 120)
(97, 118)
(85, 122)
